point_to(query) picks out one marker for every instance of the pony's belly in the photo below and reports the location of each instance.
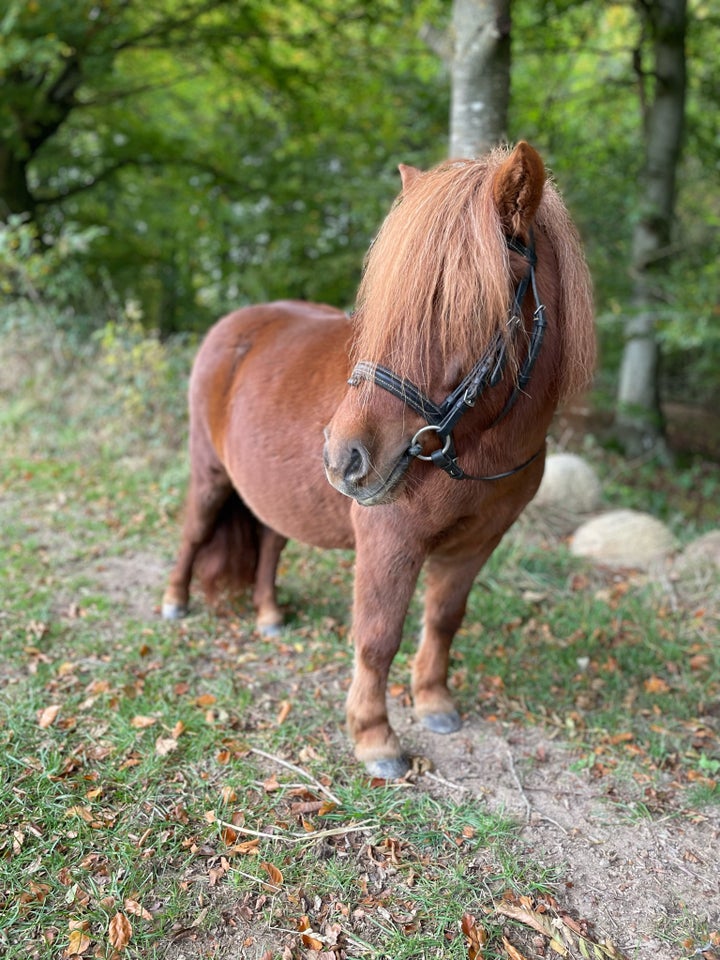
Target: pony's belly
(296, 502)
(291, 378)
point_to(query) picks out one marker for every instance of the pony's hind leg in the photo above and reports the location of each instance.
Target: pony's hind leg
(209, 489)
(447, 585)
(269, 616)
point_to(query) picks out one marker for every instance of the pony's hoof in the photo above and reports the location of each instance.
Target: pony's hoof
(269, 630)
(174, 611)
(442, 722)
(390, 768)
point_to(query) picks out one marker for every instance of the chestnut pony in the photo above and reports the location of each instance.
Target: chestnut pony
(474, 319)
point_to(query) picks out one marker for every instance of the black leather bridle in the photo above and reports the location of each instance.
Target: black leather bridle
(487, 372)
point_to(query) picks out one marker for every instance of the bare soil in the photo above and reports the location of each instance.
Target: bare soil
(632, 876)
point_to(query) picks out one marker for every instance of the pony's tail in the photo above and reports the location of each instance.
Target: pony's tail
(227, 562)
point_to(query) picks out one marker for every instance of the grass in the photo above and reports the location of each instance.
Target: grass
(134, 779)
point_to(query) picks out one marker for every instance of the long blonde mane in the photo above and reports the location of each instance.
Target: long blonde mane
(437, 279)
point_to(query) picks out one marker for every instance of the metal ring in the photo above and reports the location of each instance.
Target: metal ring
(431, 426)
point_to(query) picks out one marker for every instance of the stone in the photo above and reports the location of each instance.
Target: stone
(701, 554)
(624, 538)
(569, 482)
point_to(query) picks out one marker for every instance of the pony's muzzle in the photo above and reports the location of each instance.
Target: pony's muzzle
(347, 464)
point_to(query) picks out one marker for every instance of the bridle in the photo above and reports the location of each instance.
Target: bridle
(487, 372)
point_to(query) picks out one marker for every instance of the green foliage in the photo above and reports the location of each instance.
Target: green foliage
(226, 153)
(235, 152)
(45, 271)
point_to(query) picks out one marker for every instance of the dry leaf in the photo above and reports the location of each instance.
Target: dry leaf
(165, 745)
(247, 846)
(48, 716)
(228, 794)
(78, 941)
(119, 931)
(285, 708)
(271, 784)
(137, 910)
(475, 936)
(140, 722)
(512, 952)
(273, 872)
(85, 813)
(311, 943)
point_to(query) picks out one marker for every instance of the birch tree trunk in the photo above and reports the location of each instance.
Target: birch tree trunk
(479, 47)
(639, 422)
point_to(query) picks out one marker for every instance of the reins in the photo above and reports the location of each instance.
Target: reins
(487, 372)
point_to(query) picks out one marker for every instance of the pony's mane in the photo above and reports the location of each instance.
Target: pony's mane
(437, 278)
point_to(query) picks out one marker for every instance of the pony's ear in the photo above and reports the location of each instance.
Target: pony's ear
(408, 175)
(518, 188)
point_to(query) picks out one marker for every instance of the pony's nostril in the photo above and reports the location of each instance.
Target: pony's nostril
(356, 467)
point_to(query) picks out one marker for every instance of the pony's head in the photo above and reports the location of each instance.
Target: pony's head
(437, 292)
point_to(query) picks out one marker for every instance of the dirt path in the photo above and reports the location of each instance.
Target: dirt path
(631, 875)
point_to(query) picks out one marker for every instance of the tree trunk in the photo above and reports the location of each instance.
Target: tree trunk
(480, 71)
(639, 421)
(15, 196)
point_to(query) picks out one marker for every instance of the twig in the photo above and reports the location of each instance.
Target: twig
(298, 837)
(446, 783)
(296, 769)
(516, 778)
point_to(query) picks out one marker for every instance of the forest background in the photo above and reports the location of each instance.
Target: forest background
(162, 163)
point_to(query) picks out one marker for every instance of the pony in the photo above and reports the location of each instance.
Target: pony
(427, 411)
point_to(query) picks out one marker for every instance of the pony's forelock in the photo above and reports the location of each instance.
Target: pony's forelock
(437, 278)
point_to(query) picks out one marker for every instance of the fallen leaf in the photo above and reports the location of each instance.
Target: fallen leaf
(119, 931)
(140, 722)
(247, 846)
(165, 745)
(656, 685)
(311, 942)
(48, 716)
(512, 952)
(78, 941)
(85, 813)
(475, 936)
(273, 872)
(524, 913)
(137, 910)
(285, 708)
(205, 700)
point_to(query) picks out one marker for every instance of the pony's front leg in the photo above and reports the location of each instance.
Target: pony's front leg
(447, 585)
(385, 578)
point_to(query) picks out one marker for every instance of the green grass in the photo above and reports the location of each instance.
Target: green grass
(126, 743)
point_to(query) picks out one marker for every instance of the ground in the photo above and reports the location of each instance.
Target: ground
(630, 861)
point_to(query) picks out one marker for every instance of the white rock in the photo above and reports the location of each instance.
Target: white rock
(569, 482)
(701, 555)
(625, 538)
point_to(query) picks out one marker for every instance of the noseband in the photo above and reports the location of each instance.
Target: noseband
(487, 372)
